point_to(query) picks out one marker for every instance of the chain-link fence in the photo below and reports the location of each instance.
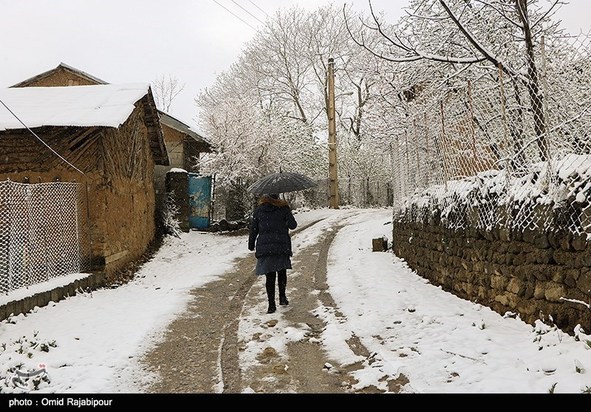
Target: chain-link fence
(43, 232)
(501, 148)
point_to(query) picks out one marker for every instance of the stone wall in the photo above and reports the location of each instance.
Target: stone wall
(51, 294)
(534, 274)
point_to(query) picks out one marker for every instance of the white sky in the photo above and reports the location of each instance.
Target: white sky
(139, 40)
(443, 344)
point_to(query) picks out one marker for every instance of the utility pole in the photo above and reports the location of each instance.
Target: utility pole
(332, 139)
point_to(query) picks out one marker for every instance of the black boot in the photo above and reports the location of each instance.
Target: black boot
(270, 286)
(282, 281)
(272, 308)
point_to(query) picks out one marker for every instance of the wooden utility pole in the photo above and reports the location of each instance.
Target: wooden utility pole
(332, 139)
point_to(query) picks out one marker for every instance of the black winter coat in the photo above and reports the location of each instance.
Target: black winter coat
(269, 228)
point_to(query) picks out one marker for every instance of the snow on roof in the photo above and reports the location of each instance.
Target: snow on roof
(106, 105)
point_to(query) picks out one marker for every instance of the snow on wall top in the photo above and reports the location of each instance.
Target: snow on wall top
(106, 105)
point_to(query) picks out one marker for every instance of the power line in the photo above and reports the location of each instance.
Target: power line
(235, 15)
(38, 138)
(264, 12)
(255, 17)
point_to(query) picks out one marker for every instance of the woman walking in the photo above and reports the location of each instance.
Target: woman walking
(269, 238)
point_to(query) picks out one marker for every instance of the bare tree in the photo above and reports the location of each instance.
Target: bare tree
(471, 32)
(280, 80)
(166, 88)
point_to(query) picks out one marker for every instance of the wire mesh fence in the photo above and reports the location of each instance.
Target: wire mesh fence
(500, 148)
(43, 232)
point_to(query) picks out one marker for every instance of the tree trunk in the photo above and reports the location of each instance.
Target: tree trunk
(533, 84)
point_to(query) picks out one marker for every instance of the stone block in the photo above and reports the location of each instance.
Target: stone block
(379, 244)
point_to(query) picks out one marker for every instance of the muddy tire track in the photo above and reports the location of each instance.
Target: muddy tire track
(200, 350)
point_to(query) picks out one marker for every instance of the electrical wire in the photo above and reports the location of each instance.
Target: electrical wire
(38, 138)
(235, 15)
(253, 16)
(264, 12)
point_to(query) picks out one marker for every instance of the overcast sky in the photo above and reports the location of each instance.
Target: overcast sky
(122, 41)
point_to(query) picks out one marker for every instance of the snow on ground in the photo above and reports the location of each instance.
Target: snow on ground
(89, 342)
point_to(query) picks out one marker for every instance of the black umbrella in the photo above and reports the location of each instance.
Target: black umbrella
(281, 182)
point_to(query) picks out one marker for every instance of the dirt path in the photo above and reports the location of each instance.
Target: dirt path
(201, 350)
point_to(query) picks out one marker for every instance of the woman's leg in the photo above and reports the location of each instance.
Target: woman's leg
(282, 281)
(270, 286)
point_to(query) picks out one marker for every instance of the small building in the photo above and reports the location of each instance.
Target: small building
(184, 147)
(183, 144)
(106, 137)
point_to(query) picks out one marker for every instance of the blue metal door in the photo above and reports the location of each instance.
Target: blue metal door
(199, 201)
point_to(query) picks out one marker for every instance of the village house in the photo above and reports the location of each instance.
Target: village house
(83, 181)
(183, 145)
(108, 139)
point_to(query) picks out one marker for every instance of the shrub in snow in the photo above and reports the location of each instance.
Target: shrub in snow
(170, 212)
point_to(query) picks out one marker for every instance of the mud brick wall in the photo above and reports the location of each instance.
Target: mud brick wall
(61, 77)
(127, 223)
(533, 274)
